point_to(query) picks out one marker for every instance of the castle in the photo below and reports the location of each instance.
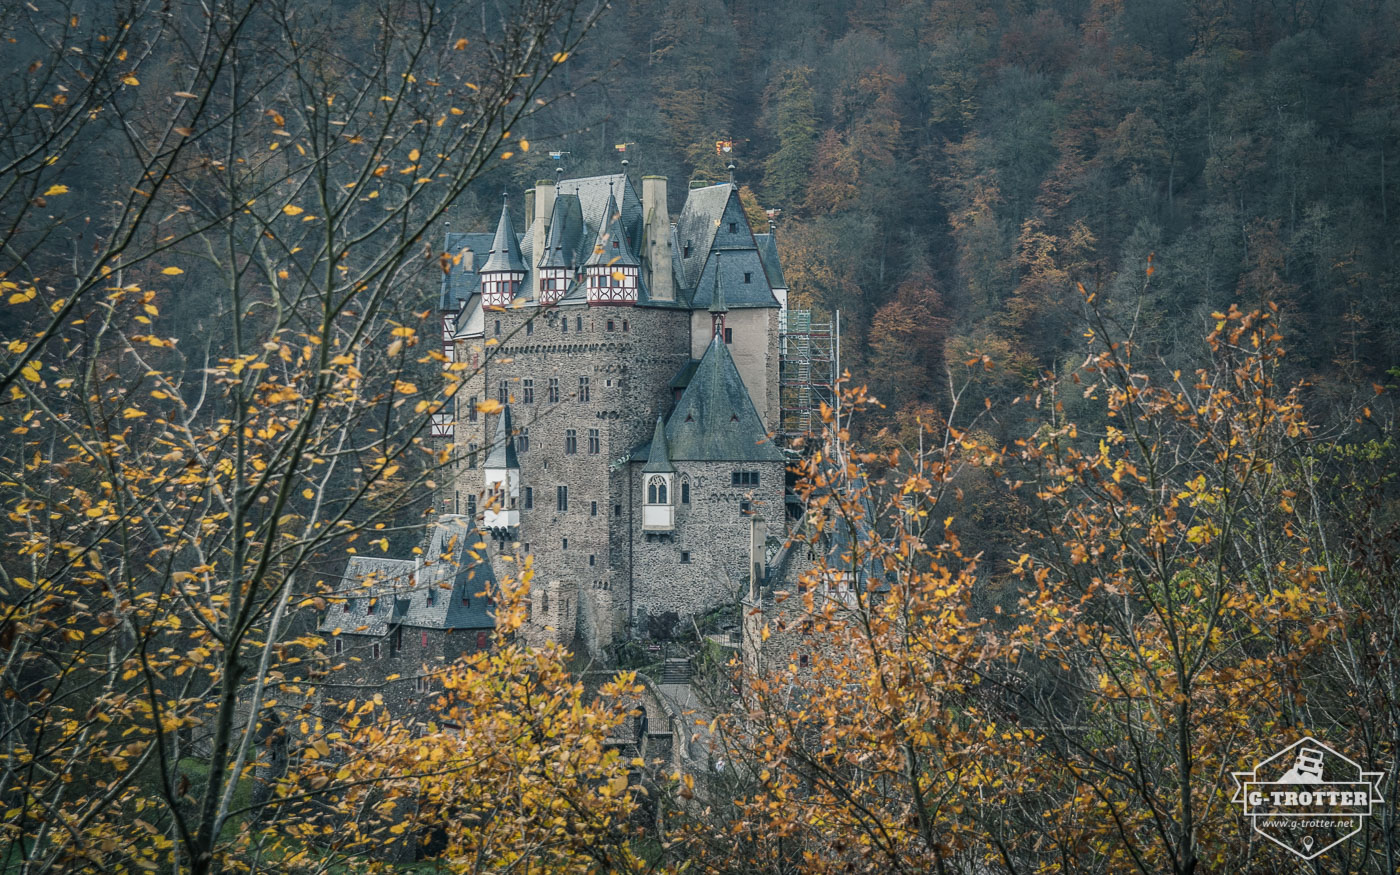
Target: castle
(634, 362)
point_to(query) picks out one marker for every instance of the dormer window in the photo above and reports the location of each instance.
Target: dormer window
(748, 277)
(734, 227)
(685, 253)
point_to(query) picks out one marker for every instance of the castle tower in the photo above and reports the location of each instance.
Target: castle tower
(718, 309)
(554, 270)
(502, 479)
(612, 269)
(504, 269)
(659, 477)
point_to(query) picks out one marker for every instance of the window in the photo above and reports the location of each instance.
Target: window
(562, 498)
(582, 389)
(729, 335)
(685, 253)
(656, 490)
(529, 504)
(578, 323)
(498, 328)
(734, 227)
(611, 326)
(617, 510)
(481, 640)
(553, 390)
(423, 639)
(339, 647)
(522, 439)
(471, 409)
(745, 507)
(527, 391)
(802, 661)
(624, 325)
(565, 543)
(396, 641)
(685, 557)
(564, 324)
(471, 505)
(570, 441)
(748, 277)
(502, 392)
(595, 442)
(685, 492)
(375, 650)
(743, 478)
(471, 455)
(592, 560)
(370, 609)
(529, 328)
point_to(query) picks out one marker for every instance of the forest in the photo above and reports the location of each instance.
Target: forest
(1115, 455)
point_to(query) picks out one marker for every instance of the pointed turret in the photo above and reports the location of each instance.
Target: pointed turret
(659, 485)
(659, 460)
(502, 477)
(504, 269)
(717, 305)
(612, 268)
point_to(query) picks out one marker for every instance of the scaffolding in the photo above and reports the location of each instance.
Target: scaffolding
(809, 365)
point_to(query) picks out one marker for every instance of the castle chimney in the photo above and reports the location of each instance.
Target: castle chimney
(529, 206)
(544, 208)
(657, 234)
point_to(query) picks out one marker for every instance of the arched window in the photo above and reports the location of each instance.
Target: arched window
(656, 491)
(685, 491)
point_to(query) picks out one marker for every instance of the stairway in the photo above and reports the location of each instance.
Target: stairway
(676, 671)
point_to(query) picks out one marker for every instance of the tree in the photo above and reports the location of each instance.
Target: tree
(792, 117)
(215, 385)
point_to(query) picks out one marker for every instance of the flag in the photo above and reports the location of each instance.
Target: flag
(722, 146)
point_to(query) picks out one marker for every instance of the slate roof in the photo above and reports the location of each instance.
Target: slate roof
(567, 233)
(731, 269)
(697, 223)
(505, 246)
(460, 283)
(502, 453)
(715, 420)
(442, 590)
(772, 264)
(610, 246)
(593, 193)
(471, 321)
(659, 455)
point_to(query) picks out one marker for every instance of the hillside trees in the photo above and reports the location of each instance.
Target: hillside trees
(217, 262)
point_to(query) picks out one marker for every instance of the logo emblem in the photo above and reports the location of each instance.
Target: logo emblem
(1307, 798)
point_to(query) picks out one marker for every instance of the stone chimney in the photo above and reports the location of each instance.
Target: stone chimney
(544, 209)
(468, 260)
(657, 245)
(529, 206)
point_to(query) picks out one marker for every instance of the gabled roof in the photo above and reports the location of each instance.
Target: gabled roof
(715, 420)
(442, 590)
(505, 246)
(566, 233)
(593, 193)
(659, 456)
(502, 453)
(696, 226)
(731, 270)
(610, 246)
(461, 281)
(772, 264)
(471, 321)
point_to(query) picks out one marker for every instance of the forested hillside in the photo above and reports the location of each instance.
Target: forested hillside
(946, 170)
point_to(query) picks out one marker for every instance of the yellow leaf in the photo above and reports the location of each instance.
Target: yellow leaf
(293, 210)
(413, 155)
(172, 271)
(561, 57)
(31, 372)
(129, 79)
(132, 413)
(56, 189)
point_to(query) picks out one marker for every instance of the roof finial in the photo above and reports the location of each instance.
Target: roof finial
(731, 172)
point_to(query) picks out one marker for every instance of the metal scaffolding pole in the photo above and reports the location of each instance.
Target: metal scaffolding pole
(809, 365)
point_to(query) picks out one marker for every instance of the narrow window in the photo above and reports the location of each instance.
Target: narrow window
(529, 328)
(423, 639)
(592, 560)
(748, 277)
(685, 557)
(481, 640)
(502, 392)
(802, 660)
(375, 650)
(553, 390)
(734, 227)
(595, 442)
(471, 409)
(562, 499)
(527, 391)
(582, 389)
(565, 543)
(578, 323)
(522, 440)
(685, 492)
(729, 335)
(564, 325)
(339, 647)
(471, 455)
(624, 325)
(570, 441)
(529, 504)
(593, 508)
(471, 505)
(617, 510)
(498, 328)
(610, 325)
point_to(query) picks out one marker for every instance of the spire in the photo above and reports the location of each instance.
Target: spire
(717, 305)
(505, 248)
(502, 453)
(610, 249)
(659, 460)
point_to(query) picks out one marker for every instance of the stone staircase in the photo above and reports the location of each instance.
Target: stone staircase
(676, 671)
